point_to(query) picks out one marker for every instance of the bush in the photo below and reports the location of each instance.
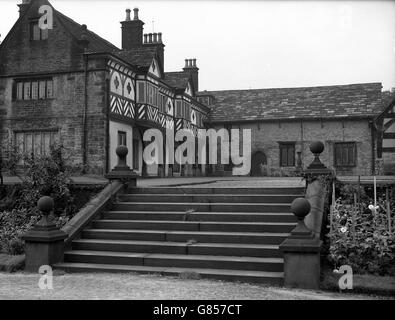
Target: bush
(361, 238)
(45, 175)
(13, 224)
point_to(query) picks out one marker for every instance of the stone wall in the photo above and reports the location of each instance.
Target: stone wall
(61, 58)
(266, 136)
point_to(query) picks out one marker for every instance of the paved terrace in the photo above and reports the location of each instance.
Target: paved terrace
(238, 182)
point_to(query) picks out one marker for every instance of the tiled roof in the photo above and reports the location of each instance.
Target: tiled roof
(177, 80)
(354, 100)
(96, 43)
(139, 56)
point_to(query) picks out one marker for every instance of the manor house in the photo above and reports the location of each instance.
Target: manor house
(68, 85)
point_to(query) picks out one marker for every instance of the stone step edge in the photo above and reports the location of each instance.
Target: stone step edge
(204, 203)
(178, 244)
(167, 270)
(199, 222)
(197, 212)
(221, 233)
(246, 259)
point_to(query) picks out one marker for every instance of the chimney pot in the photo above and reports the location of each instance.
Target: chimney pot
(127, 15)
(136, 13)
(145, 38)
(194, 62)
(186, 63)
(155, 37)
(150, 37)
(160, 37)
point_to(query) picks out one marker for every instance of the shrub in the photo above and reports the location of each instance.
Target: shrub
(45, 175)
(13, 224)
(361, 238)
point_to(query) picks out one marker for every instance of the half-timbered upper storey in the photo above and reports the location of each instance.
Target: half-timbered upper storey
(138, 90)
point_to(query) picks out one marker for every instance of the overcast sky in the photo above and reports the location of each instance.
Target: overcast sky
(257, 44)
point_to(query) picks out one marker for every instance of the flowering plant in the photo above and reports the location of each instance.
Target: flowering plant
(361, 236)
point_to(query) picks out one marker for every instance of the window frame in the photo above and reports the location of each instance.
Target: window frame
(54, 137)
(42, 33)
(21, 86)
(354, 154)
(288, 146)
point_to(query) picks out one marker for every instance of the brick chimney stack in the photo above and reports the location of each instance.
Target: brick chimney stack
(23, 7)
(132, 30)
(190, 66)
(155, 40)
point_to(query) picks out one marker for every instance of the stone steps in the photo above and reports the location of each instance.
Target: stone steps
(176, 260)
(204, 207)
(224, 249)
(219, 233)
(283, 227)
(186, 236)
(200, 216)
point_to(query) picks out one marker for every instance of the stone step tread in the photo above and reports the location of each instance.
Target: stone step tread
(199, 212)
(179, 244)
(212, 194)
(200, 222)
(266, 234)
(167, 270)
(204, 203)
(173, 256)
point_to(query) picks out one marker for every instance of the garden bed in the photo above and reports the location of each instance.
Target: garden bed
(47, 175)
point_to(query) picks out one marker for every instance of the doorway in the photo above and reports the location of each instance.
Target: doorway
(258, 164)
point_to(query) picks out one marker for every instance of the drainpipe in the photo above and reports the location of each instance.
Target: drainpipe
(84, 131)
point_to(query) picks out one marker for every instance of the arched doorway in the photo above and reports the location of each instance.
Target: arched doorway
(258, 161)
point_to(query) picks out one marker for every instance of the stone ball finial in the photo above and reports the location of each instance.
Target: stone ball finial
(317, 147)
(122, 151)
(45, 205)
(300, 207)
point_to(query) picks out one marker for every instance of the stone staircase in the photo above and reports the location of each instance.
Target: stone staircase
(220, 233)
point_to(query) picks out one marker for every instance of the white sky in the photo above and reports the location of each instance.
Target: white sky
(257, 44)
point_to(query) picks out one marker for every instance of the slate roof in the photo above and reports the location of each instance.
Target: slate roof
(96, 43)
(140, 56)
(339, 101)
(177, 80)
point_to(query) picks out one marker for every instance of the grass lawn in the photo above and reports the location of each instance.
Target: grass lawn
(151, 287)
(10, 263)
(362, 283)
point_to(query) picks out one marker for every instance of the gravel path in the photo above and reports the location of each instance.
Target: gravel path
(148, 287)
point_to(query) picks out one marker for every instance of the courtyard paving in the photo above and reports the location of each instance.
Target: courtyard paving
(189, 181)
(104, 286)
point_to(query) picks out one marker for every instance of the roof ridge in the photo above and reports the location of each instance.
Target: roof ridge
(70, 20)
(294, 88)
